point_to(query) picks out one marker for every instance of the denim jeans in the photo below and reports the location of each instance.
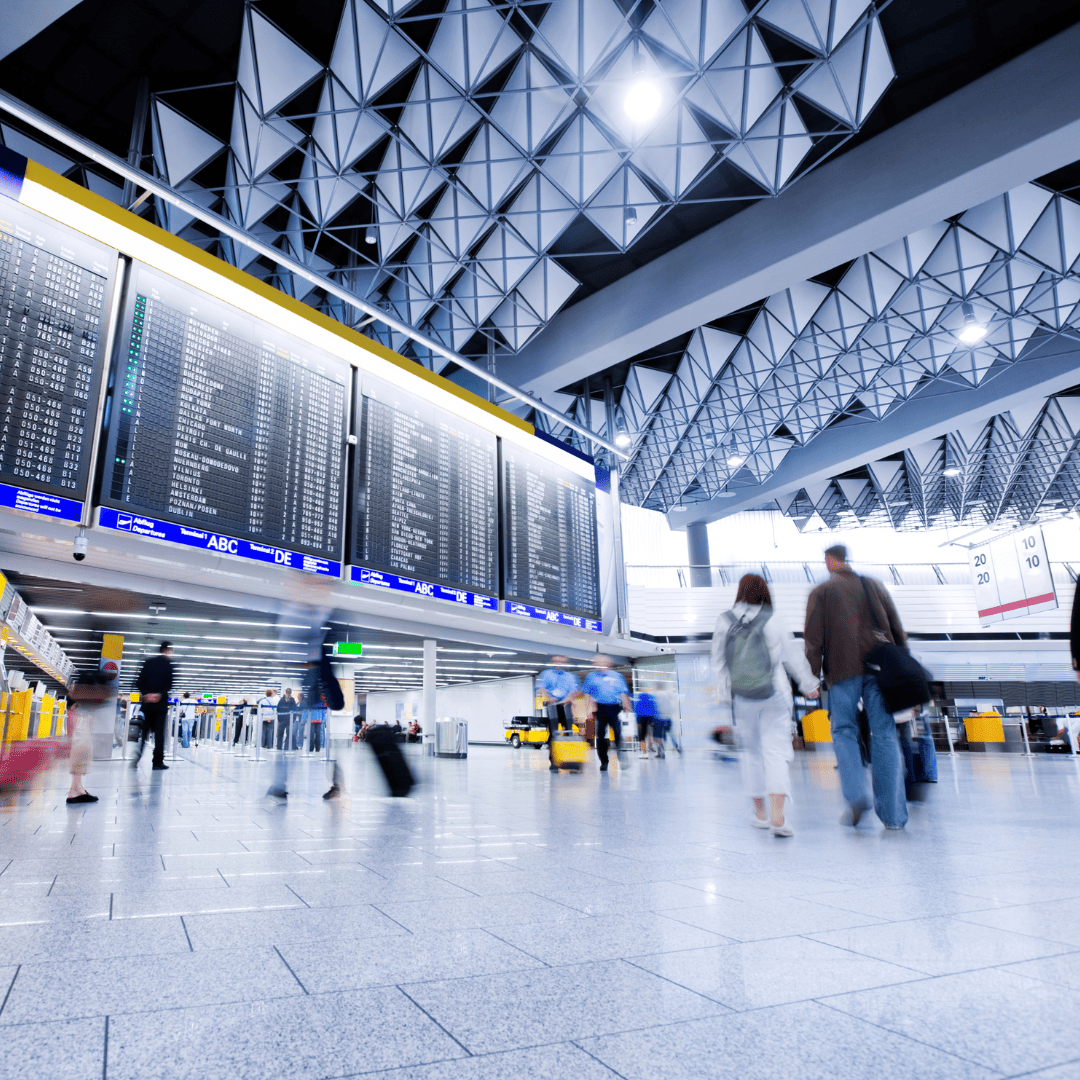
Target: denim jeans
(886, 761)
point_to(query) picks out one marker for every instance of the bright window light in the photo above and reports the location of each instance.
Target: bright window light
(973, 331)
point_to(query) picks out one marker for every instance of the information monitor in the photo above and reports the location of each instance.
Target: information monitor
(54, 288)
(549, 535)
(424, 497)
(222, 421)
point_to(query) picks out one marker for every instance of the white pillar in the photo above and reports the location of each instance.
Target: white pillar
(427, 699)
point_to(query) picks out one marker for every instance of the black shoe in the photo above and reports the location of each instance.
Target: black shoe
(160, 766)
(553, 768)
(603, 768)
(277, 794)
(333, 793)
(84, 797)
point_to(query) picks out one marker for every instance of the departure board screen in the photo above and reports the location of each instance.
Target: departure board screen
(54, 284)
(425, 502)
(549, 534)
(224, 422)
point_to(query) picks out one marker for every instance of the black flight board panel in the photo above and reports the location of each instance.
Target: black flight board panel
(549, 534)
(54, 284)
(425, 502)
(225, 422)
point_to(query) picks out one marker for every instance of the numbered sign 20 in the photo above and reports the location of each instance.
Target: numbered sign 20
(1012, 576)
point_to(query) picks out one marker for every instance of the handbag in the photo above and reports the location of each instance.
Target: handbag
(902, 680)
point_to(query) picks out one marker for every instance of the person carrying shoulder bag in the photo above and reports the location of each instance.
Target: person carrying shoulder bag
(848, 617)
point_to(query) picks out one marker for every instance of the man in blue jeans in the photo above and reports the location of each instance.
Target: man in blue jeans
(840, 630)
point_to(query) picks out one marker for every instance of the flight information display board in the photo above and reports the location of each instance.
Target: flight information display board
(54, 286)
(424, 498)
(549, 538)
(225, 423)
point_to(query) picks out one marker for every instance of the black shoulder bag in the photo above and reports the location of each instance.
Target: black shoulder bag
(902, 680)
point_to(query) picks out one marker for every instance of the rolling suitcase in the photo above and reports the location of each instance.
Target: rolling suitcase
(391, 760)
(568, 750)
(920, 758)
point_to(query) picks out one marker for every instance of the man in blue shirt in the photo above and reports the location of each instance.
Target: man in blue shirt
(609, 692)
(559, 688)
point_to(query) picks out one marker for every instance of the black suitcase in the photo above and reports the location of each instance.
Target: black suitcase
(391, 760)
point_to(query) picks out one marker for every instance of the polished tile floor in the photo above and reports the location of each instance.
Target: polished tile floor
(507, 922)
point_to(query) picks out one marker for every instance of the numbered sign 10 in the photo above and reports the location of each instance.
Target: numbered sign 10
(1012, 576)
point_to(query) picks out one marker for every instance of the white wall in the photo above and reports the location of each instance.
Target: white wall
(485, 705)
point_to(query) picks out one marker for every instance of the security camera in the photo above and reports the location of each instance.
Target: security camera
(80, 548)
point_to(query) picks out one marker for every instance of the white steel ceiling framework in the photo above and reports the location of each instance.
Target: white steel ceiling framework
(737, 404)
(471, 139)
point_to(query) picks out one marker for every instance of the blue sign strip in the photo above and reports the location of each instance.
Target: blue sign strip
(361, 575)
(189, 536)
(35, 502)
(545, 615)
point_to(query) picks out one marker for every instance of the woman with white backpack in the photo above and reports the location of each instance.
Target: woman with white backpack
(752, 656)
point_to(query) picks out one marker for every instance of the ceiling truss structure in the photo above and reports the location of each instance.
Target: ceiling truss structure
(816, 354)
(434, 163)
(1018, 467)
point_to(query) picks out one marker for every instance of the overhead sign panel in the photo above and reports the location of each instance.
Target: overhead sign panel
(1012, 576)
(224, 423)
(549, 537)
(54, 288)
(425, 508)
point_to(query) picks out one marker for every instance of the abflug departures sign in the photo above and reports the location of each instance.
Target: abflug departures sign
(224, 432)
(425, 506)
(54, 294)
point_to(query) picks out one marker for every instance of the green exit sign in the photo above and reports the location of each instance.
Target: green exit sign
(348, 648)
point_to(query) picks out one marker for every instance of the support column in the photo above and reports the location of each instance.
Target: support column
(697, 547)
(427, 697)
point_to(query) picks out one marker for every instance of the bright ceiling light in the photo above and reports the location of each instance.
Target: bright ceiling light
(622, 436)
(952, 471)
(972, 331)
(643, 98)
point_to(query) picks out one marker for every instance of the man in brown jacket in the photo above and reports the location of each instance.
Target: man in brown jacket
(840, 630)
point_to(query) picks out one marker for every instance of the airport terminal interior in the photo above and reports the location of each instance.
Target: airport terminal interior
(582, 497)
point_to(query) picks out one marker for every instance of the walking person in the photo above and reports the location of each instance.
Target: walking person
(752, 657)
(609, 692)
(664, 724)
(187, 717)
(266, 710)
(840, 630)
(645, 711)
(560, 687)
(154, 683)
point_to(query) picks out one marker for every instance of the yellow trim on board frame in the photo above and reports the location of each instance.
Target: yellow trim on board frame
(97, 204)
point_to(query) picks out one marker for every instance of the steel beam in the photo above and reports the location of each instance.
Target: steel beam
(1019, 122)
(1048, 368)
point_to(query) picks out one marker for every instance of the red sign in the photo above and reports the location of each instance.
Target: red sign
(110, 668)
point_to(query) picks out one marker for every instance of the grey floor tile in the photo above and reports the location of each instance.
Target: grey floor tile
(903, 901)
(807, 1041)
(547, 1005)
(234, 861)
(358, 963)
(617, 899)
(1061, 970)
(741, 885)
(369, 888)
(130, 905)
(1019, 888)
(748, 920)
(305, 1038)
(59, 1050)
(18, 912)
(463, 913)
(778, 971)
(605, 937)
(1069, 1071)
(70, 989)
(1055, 921)
(254, 929)
(144, 884)
(940, 946)
(538, 1063)
(993, 1017)
(92, 939)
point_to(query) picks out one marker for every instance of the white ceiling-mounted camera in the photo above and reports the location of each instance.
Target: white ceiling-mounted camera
(81, 545)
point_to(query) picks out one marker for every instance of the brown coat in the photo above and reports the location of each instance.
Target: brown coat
(840, 629)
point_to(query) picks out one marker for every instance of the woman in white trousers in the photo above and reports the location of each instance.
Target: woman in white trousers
(752, 656)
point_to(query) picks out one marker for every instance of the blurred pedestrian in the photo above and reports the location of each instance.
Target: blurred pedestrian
(90, 690)
(609, 693)
(840, 630)
(154, 683)
(752, 656)
(559, 687)
(645, 711)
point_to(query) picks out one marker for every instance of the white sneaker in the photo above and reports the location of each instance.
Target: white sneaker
(759, 822)
(783, 830)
